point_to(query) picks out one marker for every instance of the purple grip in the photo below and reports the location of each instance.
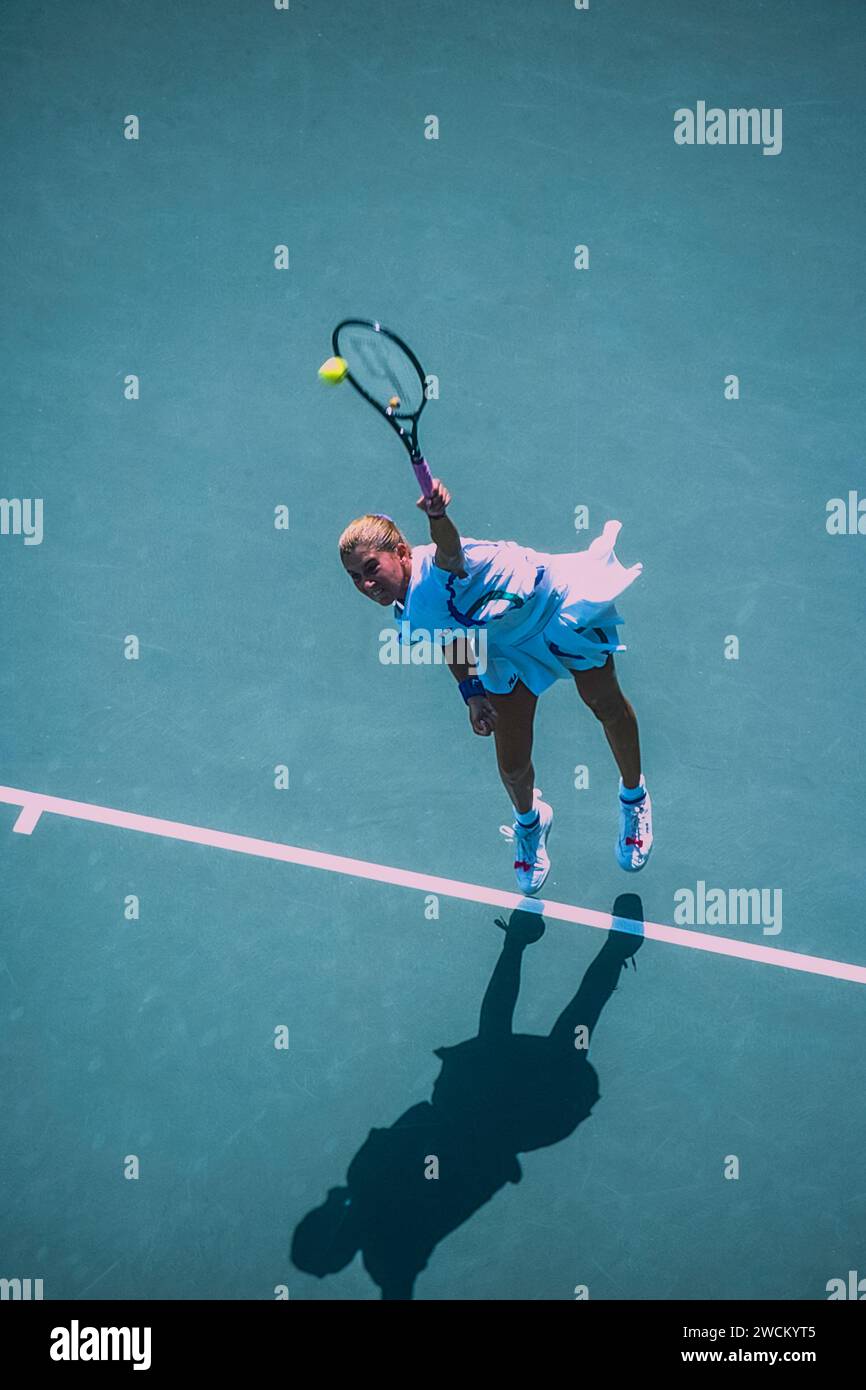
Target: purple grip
(422, 473)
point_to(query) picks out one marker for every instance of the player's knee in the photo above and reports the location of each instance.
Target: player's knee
(514, 769)
(608, 706)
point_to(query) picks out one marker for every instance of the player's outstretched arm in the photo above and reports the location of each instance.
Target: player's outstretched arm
(443, 532)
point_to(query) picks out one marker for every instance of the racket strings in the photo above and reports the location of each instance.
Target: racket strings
(384, 371)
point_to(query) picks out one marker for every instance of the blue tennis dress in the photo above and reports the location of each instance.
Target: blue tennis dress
(544, 615)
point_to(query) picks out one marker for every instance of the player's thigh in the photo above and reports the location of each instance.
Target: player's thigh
(599, 688)
(514, 726)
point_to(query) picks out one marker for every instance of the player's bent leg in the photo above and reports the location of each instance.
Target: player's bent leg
(533, 817)
(599, 689)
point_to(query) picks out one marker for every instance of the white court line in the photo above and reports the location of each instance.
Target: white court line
(35, 804)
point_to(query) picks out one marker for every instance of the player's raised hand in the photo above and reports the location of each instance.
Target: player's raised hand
(437, 502)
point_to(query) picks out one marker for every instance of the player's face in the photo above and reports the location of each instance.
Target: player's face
(381, 575)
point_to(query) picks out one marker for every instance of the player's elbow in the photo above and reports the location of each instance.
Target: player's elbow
(452, 563)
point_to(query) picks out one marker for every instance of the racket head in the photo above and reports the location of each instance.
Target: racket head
(382, 367)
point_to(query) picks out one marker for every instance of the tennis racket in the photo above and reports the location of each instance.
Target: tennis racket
(385, 371)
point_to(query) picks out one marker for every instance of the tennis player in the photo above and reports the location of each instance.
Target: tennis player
(546, 617)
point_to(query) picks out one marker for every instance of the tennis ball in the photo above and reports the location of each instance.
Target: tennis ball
(333, 370)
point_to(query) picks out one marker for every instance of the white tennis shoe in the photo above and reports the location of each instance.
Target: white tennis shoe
(531, 860)
(635, 840)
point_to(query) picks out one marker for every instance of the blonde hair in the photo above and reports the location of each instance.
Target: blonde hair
(375, 530)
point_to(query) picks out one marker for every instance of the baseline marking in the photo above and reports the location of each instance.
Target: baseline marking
(35, 804)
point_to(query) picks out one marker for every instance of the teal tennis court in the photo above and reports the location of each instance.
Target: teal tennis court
(204, 1032)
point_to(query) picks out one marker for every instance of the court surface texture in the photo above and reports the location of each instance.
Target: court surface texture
(260, 934)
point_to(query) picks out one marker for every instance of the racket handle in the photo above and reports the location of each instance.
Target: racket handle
(422, 473)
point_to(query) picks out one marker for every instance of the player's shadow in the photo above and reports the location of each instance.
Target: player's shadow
(498, 1094)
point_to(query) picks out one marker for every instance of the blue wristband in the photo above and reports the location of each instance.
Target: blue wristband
(470, 688)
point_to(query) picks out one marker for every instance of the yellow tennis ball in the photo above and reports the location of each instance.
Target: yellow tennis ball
(333, 370)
